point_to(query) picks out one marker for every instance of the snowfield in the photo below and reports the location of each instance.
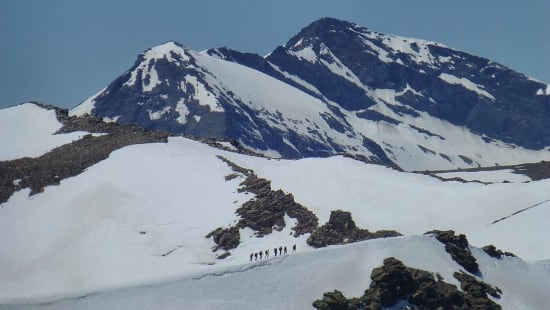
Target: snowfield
(140, 218)
(27, 130)
(295, 281)
(382, 198)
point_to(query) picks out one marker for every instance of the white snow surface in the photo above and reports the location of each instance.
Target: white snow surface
(158, 114)
(141, 216)
(181, 108)
(451, 79)
(398, 44)
(203, 96)
(295, 281)
(381, 198)
(27, 130)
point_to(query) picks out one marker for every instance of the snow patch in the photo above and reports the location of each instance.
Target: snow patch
(203, 96)
(544, 92)
(182, 110)
(153, 79)
(27, 130)
(307, 53)
(158, 114)
(464, 82)
(111, 119)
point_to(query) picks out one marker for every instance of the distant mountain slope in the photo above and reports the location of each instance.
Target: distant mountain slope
(176, 89)
(463, 89)
(336, 88)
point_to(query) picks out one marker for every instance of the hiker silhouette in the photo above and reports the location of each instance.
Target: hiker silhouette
(294, 248)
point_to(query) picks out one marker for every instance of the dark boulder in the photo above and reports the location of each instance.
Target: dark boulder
(457, 246)
(341, 229)
(225, 238)
(492, 251)
(394, 283)
(266, 211)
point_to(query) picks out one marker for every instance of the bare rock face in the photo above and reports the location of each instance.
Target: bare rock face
(457, 247)
(263, 213)
(394, 283)
(341, 229)
(225, 238)
(266, 211)
(478, 290)
(492, 251)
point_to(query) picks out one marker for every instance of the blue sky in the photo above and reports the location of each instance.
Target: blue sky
(63, 51)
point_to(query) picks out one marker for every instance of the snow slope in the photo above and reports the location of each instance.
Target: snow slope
(295, 281)
(141, 216)
(381, 198)
(27, 130)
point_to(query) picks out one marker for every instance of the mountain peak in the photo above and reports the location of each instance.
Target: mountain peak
(167, 50)
(321, 29)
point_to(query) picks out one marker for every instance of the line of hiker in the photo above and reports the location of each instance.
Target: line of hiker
(265, 254)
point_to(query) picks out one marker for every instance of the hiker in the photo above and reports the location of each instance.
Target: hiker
(266, 254)
(275, 250)
(285, 250)
(261, 254)
(251, 255)
(281, 250)
(256, 256)
(294, 248)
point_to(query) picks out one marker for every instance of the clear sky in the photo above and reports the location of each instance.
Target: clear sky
(63, 51)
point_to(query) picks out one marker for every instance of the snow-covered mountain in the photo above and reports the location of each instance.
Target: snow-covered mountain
(133, 228)
(337, 88)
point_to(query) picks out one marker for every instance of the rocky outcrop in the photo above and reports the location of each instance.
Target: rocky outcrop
(263, 213)
(492, 251)
(394, 283)
(266, 211)
(341, 229)
(225, 238)
(337, 301)
(457, 247)
(478, 290)
(536, 171)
